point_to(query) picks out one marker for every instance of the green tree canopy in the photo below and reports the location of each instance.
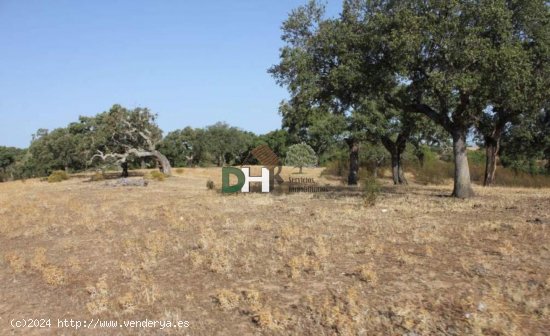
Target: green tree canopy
(120, 135)
(442, 59)
(301, 155)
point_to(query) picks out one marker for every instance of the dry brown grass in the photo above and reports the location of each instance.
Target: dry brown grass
(417, 262)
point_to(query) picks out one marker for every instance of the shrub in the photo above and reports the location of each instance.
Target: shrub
(371, 190)
(179, 171)
(97, 176)
(58, 176)
(210, 185)
(227, 299)
(156, 175)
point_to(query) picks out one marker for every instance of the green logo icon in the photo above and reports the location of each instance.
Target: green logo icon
(226, 172)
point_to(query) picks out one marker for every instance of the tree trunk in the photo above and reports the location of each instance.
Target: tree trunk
(462, 183)
(420, 156)
(492, 147)
(396, 149)
(491, 152)
(395, 167)
(124, 166)
(400, 146)
(300, 170)
(353, 161)
(397, 172)
(401, 173)
(165, 166)
(376, 167)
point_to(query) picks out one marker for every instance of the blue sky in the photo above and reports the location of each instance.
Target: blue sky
(192, 62)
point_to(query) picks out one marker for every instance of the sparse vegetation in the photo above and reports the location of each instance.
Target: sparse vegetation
(371, 190)
(437, 172)
(156, 175)
(434, 172)
(475, 266)
(97, 176)
(58, 176)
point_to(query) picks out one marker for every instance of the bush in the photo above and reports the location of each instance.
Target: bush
(179, 170)
(210, 185)
(58, 176)
(371, 190)
(156, 175)
(97, 176)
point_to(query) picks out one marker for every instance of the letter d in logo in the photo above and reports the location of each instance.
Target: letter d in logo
(226, 188)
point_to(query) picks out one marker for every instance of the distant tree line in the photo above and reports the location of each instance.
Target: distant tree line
(102, 142)
(112, 140)
(219, 144)
(123, 138)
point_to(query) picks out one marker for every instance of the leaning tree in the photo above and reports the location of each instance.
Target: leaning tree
(120, 135)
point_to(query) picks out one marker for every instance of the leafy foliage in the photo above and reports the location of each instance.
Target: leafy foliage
(301, 155)
(218, 144)
(227, 144)
(278, 141)
(381, 64)
(526, 145)
(9, 162)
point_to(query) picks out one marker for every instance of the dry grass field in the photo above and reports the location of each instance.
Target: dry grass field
(416, 263)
